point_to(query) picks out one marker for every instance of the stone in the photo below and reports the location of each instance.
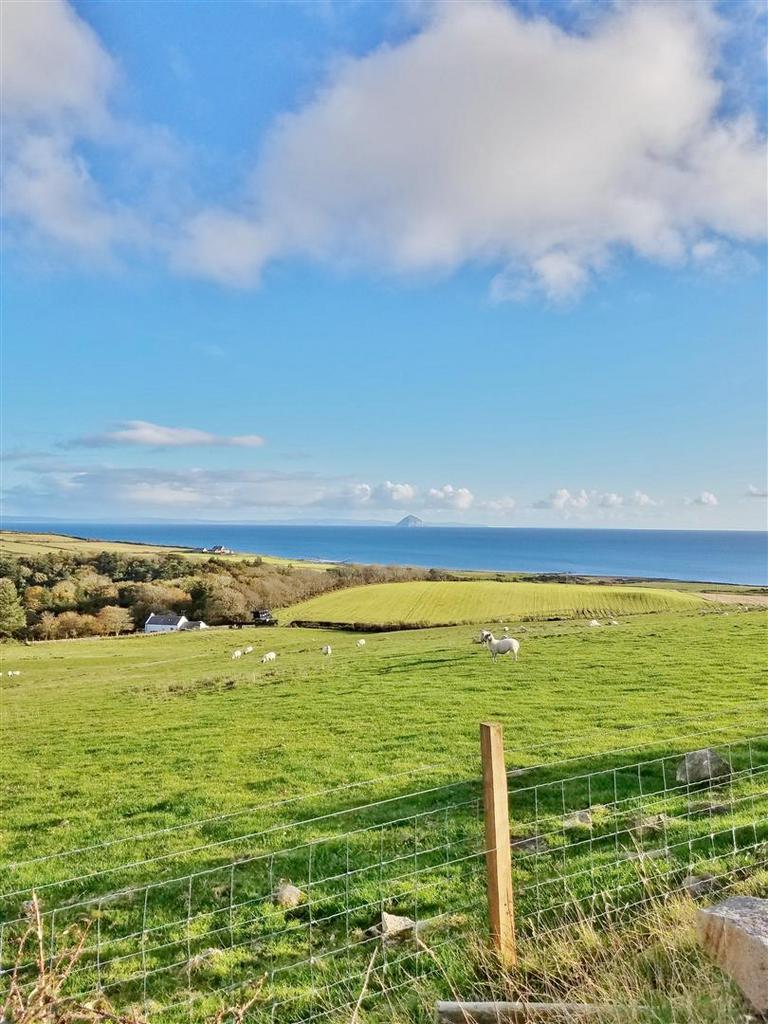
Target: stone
(699, 885)
(529, 844)
(710, 809)
(578, 818)
(735, 934)
(287, 895)
(648, 826)
(703, 766)
(393, 927)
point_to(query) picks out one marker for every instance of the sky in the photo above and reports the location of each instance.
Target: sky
(485, 262)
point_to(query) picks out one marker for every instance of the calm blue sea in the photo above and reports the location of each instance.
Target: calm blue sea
(710, 556)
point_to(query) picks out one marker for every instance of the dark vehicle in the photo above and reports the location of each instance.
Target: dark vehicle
(263, 617)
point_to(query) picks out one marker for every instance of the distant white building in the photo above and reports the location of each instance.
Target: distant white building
(165, 623)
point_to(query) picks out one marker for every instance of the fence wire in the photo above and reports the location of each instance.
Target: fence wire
(293, 914)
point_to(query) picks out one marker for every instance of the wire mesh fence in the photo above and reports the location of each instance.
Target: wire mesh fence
(295, 912)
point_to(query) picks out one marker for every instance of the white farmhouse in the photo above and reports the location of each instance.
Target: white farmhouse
(165, 623)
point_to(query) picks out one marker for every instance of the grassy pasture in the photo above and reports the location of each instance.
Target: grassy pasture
(108, 739)
(444, 603)
(19, 543)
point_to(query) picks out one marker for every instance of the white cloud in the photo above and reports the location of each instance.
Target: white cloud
(757, 492)
(141, 432)
(493, 138)
(566, 502)
(498, 506)
(53, 68)
(611, 500)
(458, 498)
(562, 500)
(56, 79)
(706, 499)
(642, 500)
(393, 493)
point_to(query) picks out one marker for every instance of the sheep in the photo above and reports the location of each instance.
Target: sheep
(484, 634)
(594, 622)
(248, 649)
(503, 646)
(612, 622)
(236, 654)
(327, 650)
(269, 656)
(506, 631)
(360, 643)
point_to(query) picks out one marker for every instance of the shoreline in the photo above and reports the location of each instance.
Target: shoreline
(152, 547)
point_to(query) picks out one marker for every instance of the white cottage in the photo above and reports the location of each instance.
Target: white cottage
(165, 623)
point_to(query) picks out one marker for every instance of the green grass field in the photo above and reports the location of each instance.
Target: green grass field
(112, 738)
(19, 543)
(483, 601)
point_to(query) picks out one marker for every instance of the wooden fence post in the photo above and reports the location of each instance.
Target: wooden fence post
(498, 857)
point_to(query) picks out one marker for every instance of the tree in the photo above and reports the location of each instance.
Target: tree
(12, 617)
(113, 619)
(46, 627)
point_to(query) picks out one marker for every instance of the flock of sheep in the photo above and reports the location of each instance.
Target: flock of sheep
(326, 650)
(503, 645)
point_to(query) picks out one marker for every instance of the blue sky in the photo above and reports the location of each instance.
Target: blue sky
(484, 262)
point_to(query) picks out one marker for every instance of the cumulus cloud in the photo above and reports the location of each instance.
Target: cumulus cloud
(388, 495)
(706, 499)
(562, 500)
(757, 492)
(56, 79)
(567, 502)
(153, 435)
(484, 136)
(494, 138)
(458, 498)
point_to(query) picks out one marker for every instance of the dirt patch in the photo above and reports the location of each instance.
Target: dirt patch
(758, 599)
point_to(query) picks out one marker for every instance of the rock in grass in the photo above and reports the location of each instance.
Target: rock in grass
(649, 825)
(735, 934)
(711, 809)
(699, 885)
(578, 818)
(392, 927)
(529, 844)
(703, 766)
(287, 895)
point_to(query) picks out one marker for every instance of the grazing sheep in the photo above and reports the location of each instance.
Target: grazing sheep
(236, 654)
(503, 646)
(594, 622)
(506, 631)
(327, 650)
(269, 656)
(248, 649)
(360, 643)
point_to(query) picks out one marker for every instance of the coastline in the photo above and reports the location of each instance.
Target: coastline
(11, 537)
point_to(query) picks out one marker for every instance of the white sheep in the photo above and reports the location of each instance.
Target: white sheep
(504, 646)
(327, 650)
(236, 655)
(269, 656)
(360, 643)
(594, 622)
(248, 649)
(612, 622)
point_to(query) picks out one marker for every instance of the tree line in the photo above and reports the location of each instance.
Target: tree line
(58, 595)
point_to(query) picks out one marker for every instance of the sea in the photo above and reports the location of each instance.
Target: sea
(711, 556)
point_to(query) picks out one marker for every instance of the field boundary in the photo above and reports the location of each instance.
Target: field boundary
(358, 902)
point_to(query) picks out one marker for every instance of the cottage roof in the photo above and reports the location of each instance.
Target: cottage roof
(164, 620)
